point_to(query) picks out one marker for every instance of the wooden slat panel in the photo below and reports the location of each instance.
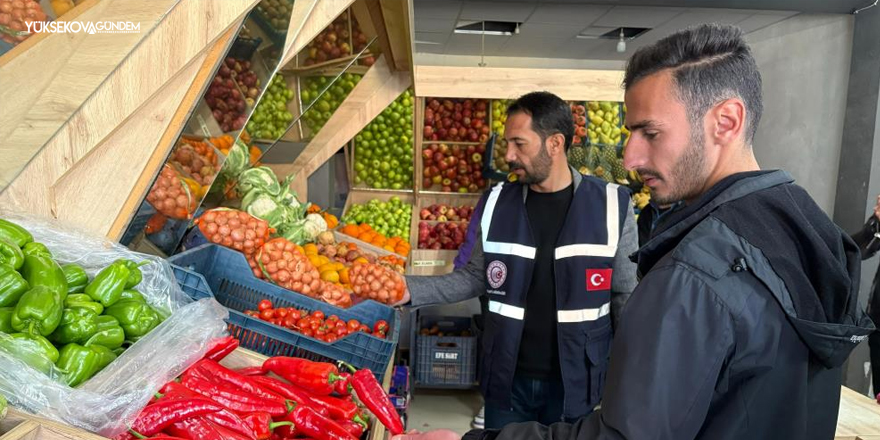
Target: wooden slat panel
(176, 41)
(507, 83)
(858, 416)
(397, 15)
(57, 74)
(378, 89)
(166, 143)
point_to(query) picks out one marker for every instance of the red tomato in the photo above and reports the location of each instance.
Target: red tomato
(353, 325)
(295, 313)
(380, 326)
(379, 334)
(314, 325)
(340, 324)
(321, 331)
(264, 305)
(333, 318)
(331, 338)
(303, 323)
(289, 322)
(364, 328)
(308, 332)
(282, 312)
(341, 331)
(267, 314)
(318, 314)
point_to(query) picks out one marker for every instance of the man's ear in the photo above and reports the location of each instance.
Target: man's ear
(728, 121)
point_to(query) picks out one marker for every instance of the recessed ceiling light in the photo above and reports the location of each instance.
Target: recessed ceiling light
(501, 28)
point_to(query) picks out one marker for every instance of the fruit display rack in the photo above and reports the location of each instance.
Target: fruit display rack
(425, 257)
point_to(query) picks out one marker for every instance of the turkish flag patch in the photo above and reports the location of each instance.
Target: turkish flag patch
(598, 279)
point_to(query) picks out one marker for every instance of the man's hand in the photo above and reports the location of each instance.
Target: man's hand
(440, 434)
(877, 208)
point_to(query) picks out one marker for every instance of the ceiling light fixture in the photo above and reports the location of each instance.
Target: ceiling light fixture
(621, 45)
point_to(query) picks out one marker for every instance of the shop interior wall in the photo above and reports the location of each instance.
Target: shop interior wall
(804, 63)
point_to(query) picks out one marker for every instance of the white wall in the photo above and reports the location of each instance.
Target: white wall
(804, 63)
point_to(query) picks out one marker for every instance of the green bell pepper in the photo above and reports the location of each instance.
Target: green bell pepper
(77, 325)
(108, 285)
(105, 356)
(40, 270)
(12, 286)
(109, 334)
(134, 272)
(11, 254)
(136, 318)
(12, 232)
(76, 276)
(34, 248)
(83, 301)
(38, 312)
(132, 295)
(78, 363)
(35, 351)
(6, 319)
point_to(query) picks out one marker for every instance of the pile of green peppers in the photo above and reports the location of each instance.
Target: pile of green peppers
(54, 315)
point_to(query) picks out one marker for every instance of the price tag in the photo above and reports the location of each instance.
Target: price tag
(203, 125)
(429, 263)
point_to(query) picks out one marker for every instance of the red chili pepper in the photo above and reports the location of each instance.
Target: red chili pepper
(371, 394)
(354, 428)
(165, 437)
(224, 418)
(214, 372)
(316, 377)
(233, 399)
(251, 371)
(312, 424)
(339, 409)
(343, 386)
(261, 424)
(199, 428)
(298, 395)
(220, 348)
(156, 417)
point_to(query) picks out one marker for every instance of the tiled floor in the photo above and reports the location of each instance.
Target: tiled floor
(449, 409)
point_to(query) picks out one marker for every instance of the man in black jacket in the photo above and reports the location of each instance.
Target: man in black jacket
(868, 240)
(747, 307)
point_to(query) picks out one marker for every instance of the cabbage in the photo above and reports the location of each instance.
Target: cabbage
(237, 160)
(262, 177)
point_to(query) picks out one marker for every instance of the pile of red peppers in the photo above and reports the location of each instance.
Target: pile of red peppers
(285, 398)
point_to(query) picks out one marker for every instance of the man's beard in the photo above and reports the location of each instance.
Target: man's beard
(542, 163)
(687, 176)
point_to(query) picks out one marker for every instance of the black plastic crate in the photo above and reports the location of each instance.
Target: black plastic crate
(446, 361)
(232, 283)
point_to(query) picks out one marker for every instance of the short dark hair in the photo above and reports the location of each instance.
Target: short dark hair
(550, 114)
(710, 63)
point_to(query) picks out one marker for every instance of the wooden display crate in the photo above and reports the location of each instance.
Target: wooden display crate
(19, 425)
(429, 261)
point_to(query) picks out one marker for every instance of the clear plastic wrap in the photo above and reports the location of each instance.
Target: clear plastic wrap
(110, 400)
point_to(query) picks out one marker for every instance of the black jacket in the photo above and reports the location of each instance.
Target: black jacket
(738, 329)
(869, 244)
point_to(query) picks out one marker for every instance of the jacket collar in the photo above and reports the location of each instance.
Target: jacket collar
(576, 179)
(679, 222)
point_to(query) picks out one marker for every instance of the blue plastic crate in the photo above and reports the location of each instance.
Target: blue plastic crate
(446, 361)
(231, 282)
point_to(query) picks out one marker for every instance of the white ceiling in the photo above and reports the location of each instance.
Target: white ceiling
(549, 28)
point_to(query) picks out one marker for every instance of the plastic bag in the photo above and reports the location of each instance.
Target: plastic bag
(108, 402)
